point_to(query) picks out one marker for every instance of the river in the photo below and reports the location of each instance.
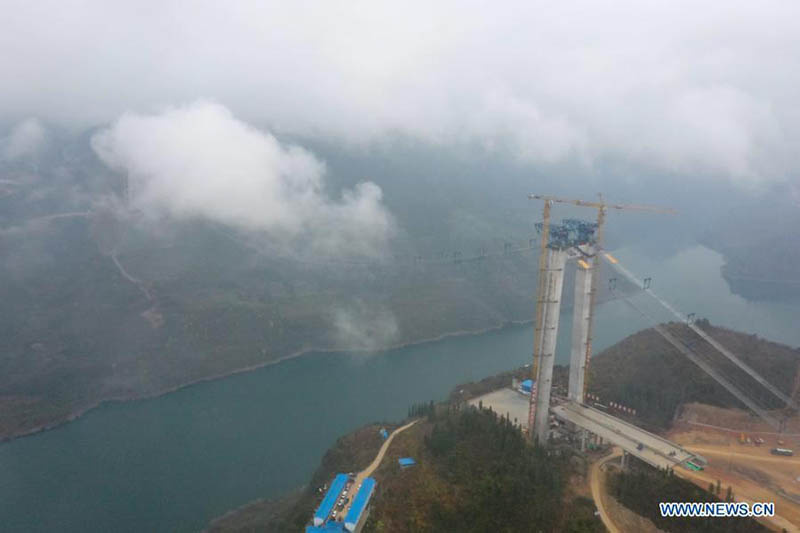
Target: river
(174, 462)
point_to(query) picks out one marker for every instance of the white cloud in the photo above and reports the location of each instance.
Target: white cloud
(199, 161)
(696, 88)
(25, 139)
(360, 326)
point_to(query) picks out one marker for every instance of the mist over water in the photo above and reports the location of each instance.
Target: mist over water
(173, 463)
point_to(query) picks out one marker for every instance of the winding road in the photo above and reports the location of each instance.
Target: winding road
(595, 480)
(378, 458)
(375, 463)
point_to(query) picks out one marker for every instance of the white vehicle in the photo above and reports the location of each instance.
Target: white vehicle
(781, 451)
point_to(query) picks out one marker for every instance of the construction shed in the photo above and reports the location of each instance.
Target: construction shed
(526, 386)
(406, 461)
(360, 503)
(326, 506)
(328, 527)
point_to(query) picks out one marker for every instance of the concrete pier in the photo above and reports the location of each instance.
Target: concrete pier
(551, 309)
(580, 332)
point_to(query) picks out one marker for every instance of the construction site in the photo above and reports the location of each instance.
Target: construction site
(751, 451)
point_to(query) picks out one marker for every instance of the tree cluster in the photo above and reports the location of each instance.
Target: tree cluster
(478, 473)
(417, 410)
(643, 488)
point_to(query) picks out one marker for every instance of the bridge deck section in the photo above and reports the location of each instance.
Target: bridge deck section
(654, 450)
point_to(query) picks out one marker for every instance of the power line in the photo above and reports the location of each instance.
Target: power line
(442, 258)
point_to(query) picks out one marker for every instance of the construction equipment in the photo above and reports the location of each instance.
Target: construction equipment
(544, 268)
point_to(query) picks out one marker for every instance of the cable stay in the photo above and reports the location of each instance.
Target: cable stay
(689, 321)
(695, 358)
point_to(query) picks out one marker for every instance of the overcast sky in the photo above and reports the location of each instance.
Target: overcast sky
(695, 88)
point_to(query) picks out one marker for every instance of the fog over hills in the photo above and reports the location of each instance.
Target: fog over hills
(186, 191)
(678, 87)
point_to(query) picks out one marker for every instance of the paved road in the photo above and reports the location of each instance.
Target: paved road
(595, 476)
(655, 450)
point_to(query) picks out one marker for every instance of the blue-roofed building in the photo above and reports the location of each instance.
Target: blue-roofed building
(406, 461)
(358, 510)
(325, 508)
(328, 527)
(527, 386)
(384, 433)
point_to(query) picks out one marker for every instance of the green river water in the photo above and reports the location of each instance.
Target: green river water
(174, 462)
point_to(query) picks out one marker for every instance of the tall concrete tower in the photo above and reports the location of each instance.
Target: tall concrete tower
(555, 241)
(581, 314)
(559, 243)
(551, 309)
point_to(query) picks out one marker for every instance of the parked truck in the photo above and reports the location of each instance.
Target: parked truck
(782, 451)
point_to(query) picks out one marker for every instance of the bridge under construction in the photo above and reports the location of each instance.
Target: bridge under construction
(581, 241)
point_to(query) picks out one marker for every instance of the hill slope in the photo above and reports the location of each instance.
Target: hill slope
(648, 374)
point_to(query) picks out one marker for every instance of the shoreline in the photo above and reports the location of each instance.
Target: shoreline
(250, 368)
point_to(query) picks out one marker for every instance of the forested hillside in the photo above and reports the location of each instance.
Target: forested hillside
(76, 331)
(100, 301)
(641, 487)
(645, 372)
(477, 473)
(760, 254)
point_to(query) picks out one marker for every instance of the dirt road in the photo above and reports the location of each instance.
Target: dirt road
(375, 463)
(378, 458)
(703, 480)
(595, 480)
(700, 479)
(747, 456)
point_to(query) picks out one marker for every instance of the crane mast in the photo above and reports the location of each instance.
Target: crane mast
(601, 219)
(539, 316)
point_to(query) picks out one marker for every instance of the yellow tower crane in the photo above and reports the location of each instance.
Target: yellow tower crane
(602, 207)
